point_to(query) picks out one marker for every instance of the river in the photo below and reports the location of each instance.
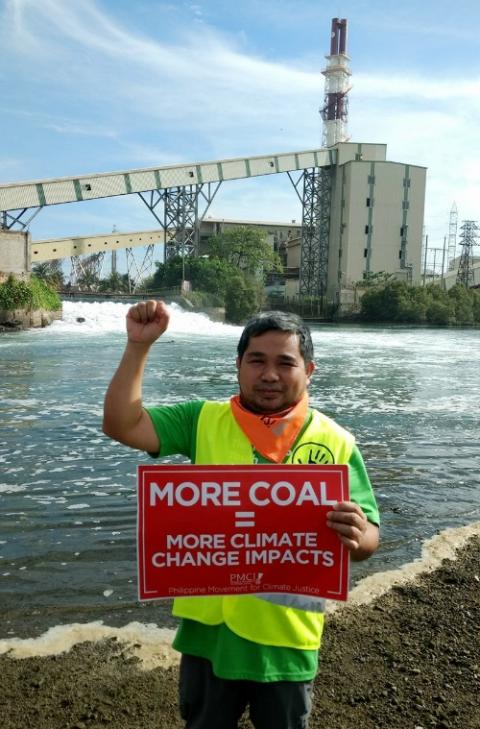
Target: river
(67, 493)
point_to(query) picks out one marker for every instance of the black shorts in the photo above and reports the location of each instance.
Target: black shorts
(209, 702)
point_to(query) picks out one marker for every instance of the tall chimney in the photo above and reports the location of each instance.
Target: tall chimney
(337, 74)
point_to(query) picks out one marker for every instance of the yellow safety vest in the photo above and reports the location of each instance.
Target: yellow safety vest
(294, 621)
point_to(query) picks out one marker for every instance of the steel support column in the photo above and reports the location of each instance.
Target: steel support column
(181, 221)
(315, 232)
(181, 217)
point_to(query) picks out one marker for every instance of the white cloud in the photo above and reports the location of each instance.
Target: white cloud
(415, 24)
(68, 127)
(416, 88)
(201, 84)
(437, 135)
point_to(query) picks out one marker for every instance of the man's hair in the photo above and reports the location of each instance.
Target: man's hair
(280, 321)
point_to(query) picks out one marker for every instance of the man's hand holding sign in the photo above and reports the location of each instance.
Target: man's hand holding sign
(354, 530)
(252, 536)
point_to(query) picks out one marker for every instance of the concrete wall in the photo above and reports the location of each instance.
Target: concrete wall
(14, 254)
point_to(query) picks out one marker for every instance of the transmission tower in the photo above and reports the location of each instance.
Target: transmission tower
(452, 236)
(138, 270)
(468, 236)
(86, 270)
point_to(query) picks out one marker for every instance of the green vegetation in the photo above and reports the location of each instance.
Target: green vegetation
(28, 295)
(50, 272)
(232, 275)
(396, 301)
(247, 249)
(209, 275)
(118, 283)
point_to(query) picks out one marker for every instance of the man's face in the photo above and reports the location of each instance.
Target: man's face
(272, 373)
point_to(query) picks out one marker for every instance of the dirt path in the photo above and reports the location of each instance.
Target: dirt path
(409, 660)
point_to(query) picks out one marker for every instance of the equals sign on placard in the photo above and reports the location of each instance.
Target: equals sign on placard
(244, 519)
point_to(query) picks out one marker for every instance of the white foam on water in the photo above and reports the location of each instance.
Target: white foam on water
(152, 645)
(434, 550)
(28, 403)
(6, 488)
(95, 317)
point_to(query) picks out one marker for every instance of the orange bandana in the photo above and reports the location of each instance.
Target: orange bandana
(271, 435)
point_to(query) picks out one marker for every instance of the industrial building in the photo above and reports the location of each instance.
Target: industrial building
(375, 222)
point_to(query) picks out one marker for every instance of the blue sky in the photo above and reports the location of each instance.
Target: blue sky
(103, 85)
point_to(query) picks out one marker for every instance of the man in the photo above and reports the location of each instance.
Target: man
(244, 650)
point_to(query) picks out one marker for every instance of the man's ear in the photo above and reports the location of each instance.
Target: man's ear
(237, 363)
(309, 369)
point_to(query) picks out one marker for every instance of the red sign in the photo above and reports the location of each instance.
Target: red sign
(230, 530)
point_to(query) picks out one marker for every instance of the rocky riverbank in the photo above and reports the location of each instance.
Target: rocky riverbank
(410, 659)
(18, 319)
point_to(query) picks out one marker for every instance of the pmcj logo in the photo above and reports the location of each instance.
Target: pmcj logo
(246, 578)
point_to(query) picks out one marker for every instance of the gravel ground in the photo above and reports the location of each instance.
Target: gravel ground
(408, 660)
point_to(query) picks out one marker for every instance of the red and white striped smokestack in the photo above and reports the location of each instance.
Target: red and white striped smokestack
(335, 110)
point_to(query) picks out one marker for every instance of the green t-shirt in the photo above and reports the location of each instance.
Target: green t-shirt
(231, 656)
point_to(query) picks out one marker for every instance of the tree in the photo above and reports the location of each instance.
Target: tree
(50, 272)
(476, 305)
(241, 301)
(386, 303)
(439, 312)
(245, 248)
(88, 281)
(462, 301)
(211, 275)
(397, 302)
(116, 283)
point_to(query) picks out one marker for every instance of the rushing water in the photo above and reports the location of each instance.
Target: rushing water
(67, 493)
